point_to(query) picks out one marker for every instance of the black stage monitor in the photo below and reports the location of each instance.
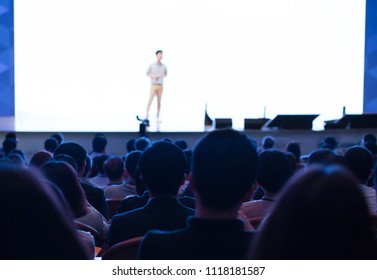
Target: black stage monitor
(223, 123)
(254, 123)
(355, 121)
(292, 121)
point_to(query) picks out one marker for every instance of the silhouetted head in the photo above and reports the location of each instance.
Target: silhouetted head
(329, 142)
(224, 167)
(360, 161)
(321, 214)
(74, 150)
(65, 178)
(59, 137)
(274, 170)
(51, 144)
(130, 145)
(181, 143)
(369, 138)
(142, 143)
(114, 168)
(132, 160)
(9, 145)
(268, 142)
(40, 158)
(162, 168)
(99, 144)
(39, 225)
(321, 156)
(294, 148)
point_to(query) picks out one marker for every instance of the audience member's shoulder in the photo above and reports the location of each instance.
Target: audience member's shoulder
(92, 187)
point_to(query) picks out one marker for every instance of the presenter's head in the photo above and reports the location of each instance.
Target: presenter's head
(159, 55)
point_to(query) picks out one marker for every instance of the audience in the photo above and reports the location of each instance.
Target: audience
(316, 214)
(37, 225)
(321, 215)
(274, 170)
(369, 138)
(268, 142)
(59, 137)
(51, 144)
(94, 195)
(100, 179)
(131, 163)
(63, 175)
(330, 143)
(9, 144)
(142, 143)
(162, 169)
(99, 144)
(40, 158)
(361, 163)
(117, 188)
(294, 148)
(223, 175)
(130, 145)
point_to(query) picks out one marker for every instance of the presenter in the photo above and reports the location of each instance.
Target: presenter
(157, 72)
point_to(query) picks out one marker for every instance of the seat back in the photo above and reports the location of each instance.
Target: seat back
(99, 241)
(125, 250)
(256, 221)
(112, 205)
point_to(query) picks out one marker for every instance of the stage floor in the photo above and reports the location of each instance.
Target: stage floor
(101, 123)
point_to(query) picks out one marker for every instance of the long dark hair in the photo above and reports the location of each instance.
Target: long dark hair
(36, 224)
(321, 214)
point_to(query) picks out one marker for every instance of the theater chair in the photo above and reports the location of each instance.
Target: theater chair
(112, 205)
(98, 240)
(126, 250)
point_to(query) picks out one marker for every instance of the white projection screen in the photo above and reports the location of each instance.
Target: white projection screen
(80, 65)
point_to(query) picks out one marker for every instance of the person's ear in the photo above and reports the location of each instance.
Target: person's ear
(370, 174)
(192, 183)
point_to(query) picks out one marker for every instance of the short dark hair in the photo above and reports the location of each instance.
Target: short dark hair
(369, 137)
(360, 161)
(181, 143)
(40, 158)
(329, 142)
(224, 167)
(162, 168)
(67, 159)
(321, 156)
(74, 150)
(50, 144)
(296, 230)
(268, 142)
(99, 144)
(158, 51)
(294, 148)
(59, 137)
(11, 135)
(274, 170)
(371, 146)
(132, 160)
(114, 168)
(130, 145)
(9, 144)
(142, 143)
(98, 163)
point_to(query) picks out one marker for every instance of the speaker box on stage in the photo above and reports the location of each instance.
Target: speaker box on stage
(223, 123)
(353, 121)
(254, 123)
(292, 121)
